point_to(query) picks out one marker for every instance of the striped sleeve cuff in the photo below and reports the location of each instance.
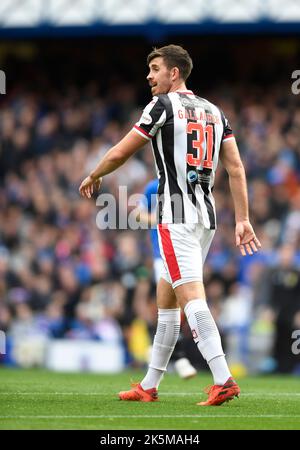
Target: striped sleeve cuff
(228, 137)
(142, 132)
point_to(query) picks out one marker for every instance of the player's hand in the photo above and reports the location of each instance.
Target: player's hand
(246, 239)
(89, 185)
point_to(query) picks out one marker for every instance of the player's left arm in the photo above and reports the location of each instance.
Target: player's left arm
(112, 160)
(246, 238)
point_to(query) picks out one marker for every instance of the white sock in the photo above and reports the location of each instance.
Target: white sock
(167, 332)
(219, 369)
(206, 336)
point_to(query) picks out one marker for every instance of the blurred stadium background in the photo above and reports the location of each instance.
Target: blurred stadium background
(73, 297)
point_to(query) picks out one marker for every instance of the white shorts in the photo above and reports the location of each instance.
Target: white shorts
(183, 248)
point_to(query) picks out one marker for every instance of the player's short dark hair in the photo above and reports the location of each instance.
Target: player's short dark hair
(174, 56)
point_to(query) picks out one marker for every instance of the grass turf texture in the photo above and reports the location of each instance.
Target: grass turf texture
(38, 399)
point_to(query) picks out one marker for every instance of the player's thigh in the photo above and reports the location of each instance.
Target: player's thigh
(166, 298)
(181, 252)
(193, 290)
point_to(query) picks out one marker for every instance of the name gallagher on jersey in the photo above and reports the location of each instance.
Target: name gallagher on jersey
(192, 114)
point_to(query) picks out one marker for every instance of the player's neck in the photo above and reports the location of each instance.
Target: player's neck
(178, 87)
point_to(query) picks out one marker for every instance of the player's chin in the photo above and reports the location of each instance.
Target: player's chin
(157, 91)
(162, 92)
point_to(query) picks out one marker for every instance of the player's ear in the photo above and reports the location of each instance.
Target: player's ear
(175, 73)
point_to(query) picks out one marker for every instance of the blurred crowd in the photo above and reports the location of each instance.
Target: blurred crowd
(63, 277)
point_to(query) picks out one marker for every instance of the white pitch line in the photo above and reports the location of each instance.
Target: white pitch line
(177, 394)
(158, 416)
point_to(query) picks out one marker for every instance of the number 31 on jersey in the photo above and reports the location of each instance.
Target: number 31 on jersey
(203, 133)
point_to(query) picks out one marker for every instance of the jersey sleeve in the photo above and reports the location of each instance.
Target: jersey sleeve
(153, 117)
(227, 131)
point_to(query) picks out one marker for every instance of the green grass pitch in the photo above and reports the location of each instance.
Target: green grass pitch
(38, 399)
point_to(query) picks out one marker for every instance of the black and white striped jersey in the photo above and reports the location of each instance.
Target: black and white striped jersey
(186, 133)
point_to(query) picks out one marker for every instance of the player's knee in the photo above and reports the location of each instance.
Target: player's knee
(189, 291)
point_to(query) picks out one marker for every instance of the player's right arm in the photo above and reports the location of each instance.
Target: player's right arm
(152, 119)
(246, 239)
(111, 161)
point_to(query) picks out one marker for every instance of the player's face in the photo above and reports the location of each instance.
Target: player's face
(159, 77)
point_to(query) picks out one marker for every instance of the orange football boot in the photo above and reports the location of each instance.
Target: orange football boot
(138, 394)
(220, 394)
